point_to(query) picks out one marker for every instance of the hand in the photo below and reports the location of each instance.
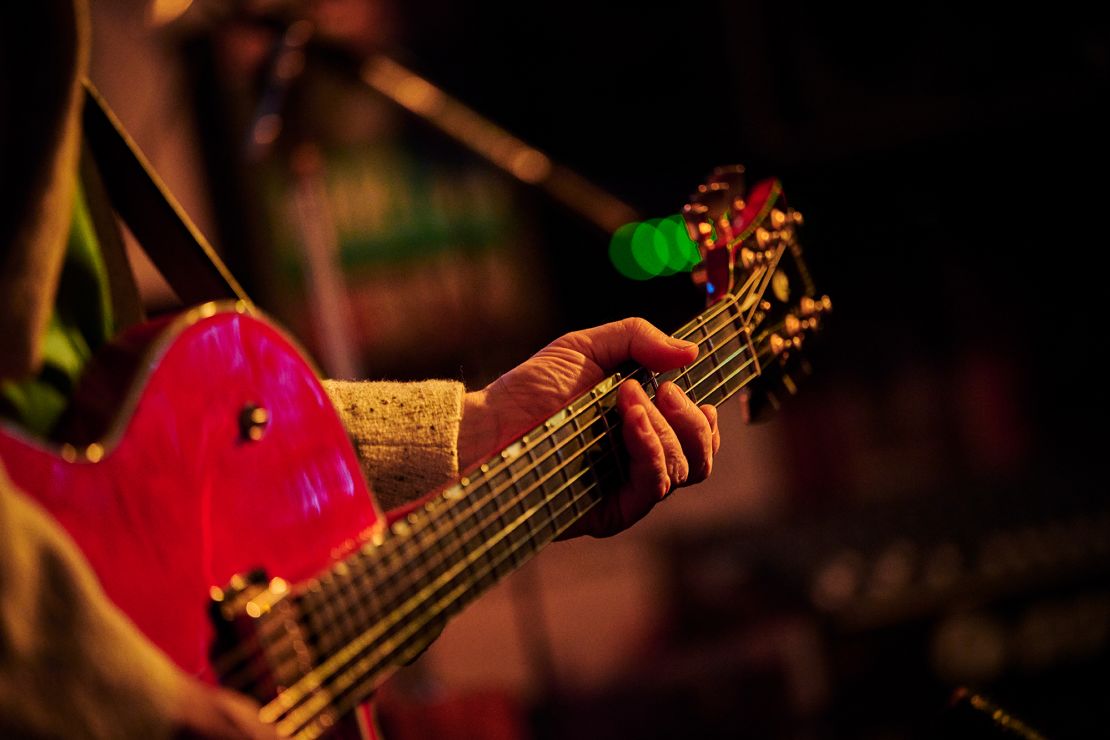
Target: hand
(670, 442)
(215, 713)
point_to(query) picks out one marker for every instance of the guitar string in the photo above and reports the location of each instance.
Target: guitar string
(366, 680)
(358, 604)
(412, 543)
(375, 579)
(385, 554)
(695, 327)
(726, 395)
(530, 490)
(331, 671)
(318, 701)
(323, 701)
(474, 506)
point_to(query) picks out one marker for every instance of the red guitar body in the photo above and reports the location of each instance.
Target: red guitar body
(178, 497)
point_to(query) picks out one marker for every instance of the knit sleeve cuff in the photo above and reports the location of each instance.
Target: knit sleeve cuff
(406, 434)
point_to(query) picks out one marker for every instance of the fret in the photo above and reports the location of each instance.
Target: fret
(416, 568)
(710, 379)
(569, 506)
(346, 624)
(518, 533)
(565, 440)
(607, 441)
(501, 539)
(564, 508)
(416, 557)
(372, 578)
(449, 528)
(321, 618)
(338, 612)
(471, 505)
(492, 522)
(538, 462)
(578, 455)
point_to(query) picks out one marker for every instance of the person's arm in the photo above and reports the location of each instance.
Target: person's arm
(670, 442)
(405, 434)
(414, 437)
(72, 665)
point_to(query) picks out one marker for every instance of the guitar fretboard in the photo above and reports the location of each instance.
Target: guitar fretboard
(382, 605)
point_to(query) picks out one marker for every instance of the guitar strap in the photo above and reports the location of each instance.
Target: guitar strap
(123, 180)
(127, 307)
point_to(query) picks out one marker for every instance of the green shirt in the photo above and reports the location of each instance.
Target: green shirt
(82, 321)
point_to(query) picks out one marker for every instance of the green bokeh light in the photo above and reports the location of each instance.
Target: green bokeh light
(660, 246)
(649, 248)
(682, 254)
(620, 253)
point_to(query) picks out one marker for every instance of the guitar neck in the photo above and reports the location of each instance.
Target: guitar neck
(382, 605)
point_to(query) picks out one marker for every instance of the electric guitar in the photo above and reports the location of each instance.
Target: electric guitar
(224, 510)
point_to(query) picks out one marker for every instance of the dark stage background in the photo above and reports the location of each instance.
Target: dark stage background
(931, 508)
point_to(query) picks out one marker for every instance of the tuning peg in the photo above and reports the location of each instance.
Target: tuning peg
(749, 258)
(814, 306)
(733, 176)
(779, 345)
(698, 225)
(715, 197)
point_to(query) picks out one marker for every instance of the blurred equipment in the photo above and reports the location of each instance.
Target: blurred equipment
(975, 716)
(524, 162)
(867, 621)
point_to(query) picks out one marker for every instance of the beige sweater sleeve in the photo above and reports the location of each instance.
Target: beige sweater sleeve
(71, 664)
(406, 434)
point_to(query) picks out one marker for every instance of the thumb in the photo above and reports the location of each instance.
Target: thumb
(611, 344)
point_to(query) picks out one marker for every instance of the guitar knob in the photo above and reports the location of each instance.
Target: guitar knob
(696, 217)
(253, 421)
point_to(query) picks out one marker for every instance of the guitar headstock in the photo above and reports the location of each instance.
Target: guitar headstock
(751, 255)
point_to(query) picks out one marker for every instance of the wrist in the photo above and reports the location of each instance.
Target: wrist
(479, 430)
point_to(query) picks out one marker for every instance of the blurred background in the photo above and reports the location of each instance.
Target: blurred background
(929, 512)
